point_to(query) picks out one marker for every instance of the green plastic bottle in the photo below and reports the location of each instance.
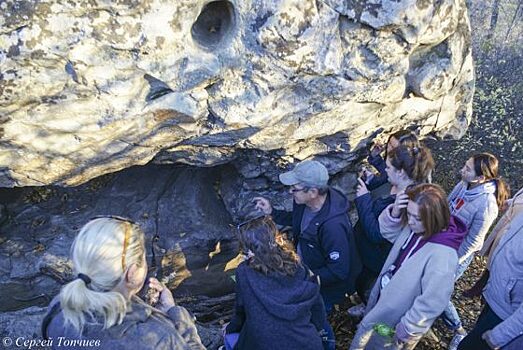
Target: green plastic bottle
(384, 330)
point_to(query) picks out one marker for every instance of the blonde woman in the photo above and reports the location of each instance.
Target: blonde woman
(101, 305)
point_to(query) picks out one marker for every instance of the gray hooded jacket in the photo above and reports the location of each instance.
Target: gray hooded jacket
(478, 209)
(504, 290)
(143, 327)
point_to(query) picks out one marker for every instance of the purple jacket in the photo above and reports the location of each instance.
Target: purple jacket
(451, 237)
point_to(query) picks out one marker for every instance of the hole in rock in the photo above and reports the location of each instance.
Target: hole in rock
(214, 24)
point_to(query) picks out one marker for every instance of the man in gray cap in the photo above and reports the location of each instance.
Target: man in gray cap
(322, 230)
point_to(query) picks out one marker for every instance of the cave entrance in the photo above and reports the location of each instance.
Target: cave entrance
(214, 25)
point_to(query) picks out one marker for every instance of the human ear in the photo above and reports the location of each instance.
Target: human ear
(132, 276)
(313, 192)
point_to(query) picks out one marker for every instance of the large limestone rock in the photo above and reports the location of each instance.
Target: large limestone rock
(92, 87)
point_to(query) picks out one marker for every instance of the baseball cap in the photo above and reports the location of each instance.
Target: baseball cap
(308, 172)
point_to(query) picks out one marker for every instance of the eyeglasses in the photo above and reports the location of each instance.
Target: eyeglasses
(127, 232)
(293, 189)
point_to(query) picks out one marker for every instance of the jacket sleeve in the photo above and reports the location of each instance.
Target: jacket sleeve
(378, 162)
(335, 245)
(238, 318)
(380, 179)
(362, 336)
(481, 223)
(184, 323)
(390, 228)
(437, 285)
(508, 330)
(369, 221)
(282, 217)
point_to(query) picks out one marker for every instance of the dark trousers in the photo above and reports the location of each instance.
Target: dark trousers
(486, 320)
(328, 339)
(364, 283)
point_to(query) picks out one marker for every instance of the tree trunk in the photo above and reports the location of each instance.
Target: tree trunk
(493, 20)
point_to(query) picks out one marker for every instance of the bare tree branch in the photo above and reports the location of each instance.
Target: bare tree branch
(493, 20)
(514, 18)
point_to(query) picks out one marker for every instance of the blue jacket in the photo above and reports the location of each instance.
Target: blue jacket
(372, 247)
(327, 245)
(382, 178)
(277, 311)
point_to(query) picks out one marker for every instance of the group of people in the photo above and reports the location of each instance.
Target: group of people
(400, 260)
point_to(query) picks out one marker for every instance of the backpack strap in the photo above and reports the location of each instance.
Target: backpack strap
(55, 310)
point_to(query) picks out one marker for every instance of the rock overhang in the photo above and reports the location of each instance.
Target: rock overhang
(92, 88)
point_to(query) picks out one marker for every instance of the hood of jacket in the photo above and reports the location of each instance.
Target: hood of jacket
(453, 235)
(285, 297)
(138, 312)
(335, 205)
(471, 194)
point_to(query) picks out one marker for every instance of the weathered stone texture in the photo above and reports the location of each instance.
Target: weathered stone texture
(92, 87)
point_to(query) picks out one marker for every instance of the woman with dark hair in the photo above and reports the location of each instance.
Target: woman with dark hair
(405, 166)
(278, 302)
(102, 304)
(416, 281)
(405, 138)
(476, 200)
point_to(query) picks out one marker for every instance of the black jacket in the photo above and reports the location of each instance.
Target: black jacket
(327, 245)
(372, 247)
(277, 311)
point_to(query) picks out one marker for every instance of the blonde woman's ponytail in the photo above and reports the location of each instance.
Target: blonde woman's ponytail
(97, 258)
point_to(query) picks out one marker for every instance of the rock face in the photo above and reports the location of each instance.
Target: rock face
(91, 87)
(179, 204)
(195, 243)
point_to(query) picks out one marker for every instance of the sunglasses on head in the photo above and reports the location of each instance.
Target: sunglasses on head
(127, 233)
(247, 222)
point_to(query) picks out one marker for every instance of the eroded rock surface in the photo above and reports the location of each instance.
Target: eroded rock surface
(182, 205)
(91, 87)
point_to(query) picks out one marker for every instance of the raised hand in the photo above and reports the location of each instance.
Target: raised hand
(163, 295)
(263, 205)
(401, 202)
(377, 149)
(362, 188)
(366, 175)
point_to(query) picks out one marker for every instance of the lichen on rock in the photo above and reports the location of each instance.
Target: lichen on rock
(92, 87)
